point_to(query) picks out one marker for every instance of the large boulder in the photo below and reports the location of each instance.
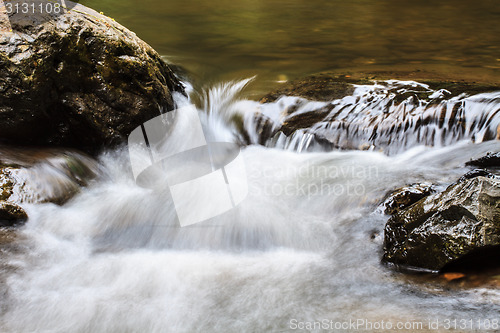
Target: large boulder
(440, 230)
(78, 79)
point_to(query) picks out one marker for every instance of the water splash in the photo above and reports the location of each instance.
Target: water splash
(45, 175)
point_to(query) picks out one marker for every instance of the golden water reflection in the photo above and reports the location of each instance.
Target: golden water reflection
(225, 39)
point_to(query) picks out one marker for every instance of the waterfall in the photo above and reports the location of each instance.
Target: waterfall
(391, 116)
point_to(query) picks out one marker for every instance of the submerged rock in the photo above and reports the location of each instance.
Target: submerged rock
(78, 79)
(444, 228)
(7, 236)
(317, 88)
(330, 86)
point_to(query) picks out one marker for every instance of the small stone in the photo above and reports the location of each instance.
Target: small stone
(11, 214)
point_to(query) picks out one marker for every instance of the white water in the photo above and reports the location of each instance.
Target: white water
(305, 245)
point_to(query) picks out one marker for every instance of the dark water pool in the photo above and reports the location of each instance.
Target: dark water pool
(279, 40)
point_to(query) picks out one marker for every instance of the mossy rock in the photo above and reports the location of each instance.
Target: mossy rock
(79, 80)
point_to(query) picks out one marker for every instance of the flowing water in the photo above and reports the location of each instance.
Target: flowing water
(377, 117)
(304, 246)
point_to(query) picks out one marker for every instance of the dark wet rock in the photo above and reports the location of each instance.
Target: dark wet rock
(407, 196)
(483, 259)
(78, 79)
(490, 160)
(11, 214)
(445, 227)
(477, 173)
(304, 120)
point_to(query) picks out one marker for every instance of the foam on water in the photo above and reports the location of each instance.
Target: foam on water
(301, 246)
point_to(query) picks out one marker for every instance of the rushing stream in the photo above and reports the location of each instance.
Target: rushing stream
(305, 245)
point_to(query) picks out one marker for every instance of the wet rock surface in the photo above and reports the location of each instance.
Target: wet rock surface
(321, 87)
(441, 230)
(491, 160)
(330, 86)
(406, 196)
(476, 173)
(79, 80)
(52, 176)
